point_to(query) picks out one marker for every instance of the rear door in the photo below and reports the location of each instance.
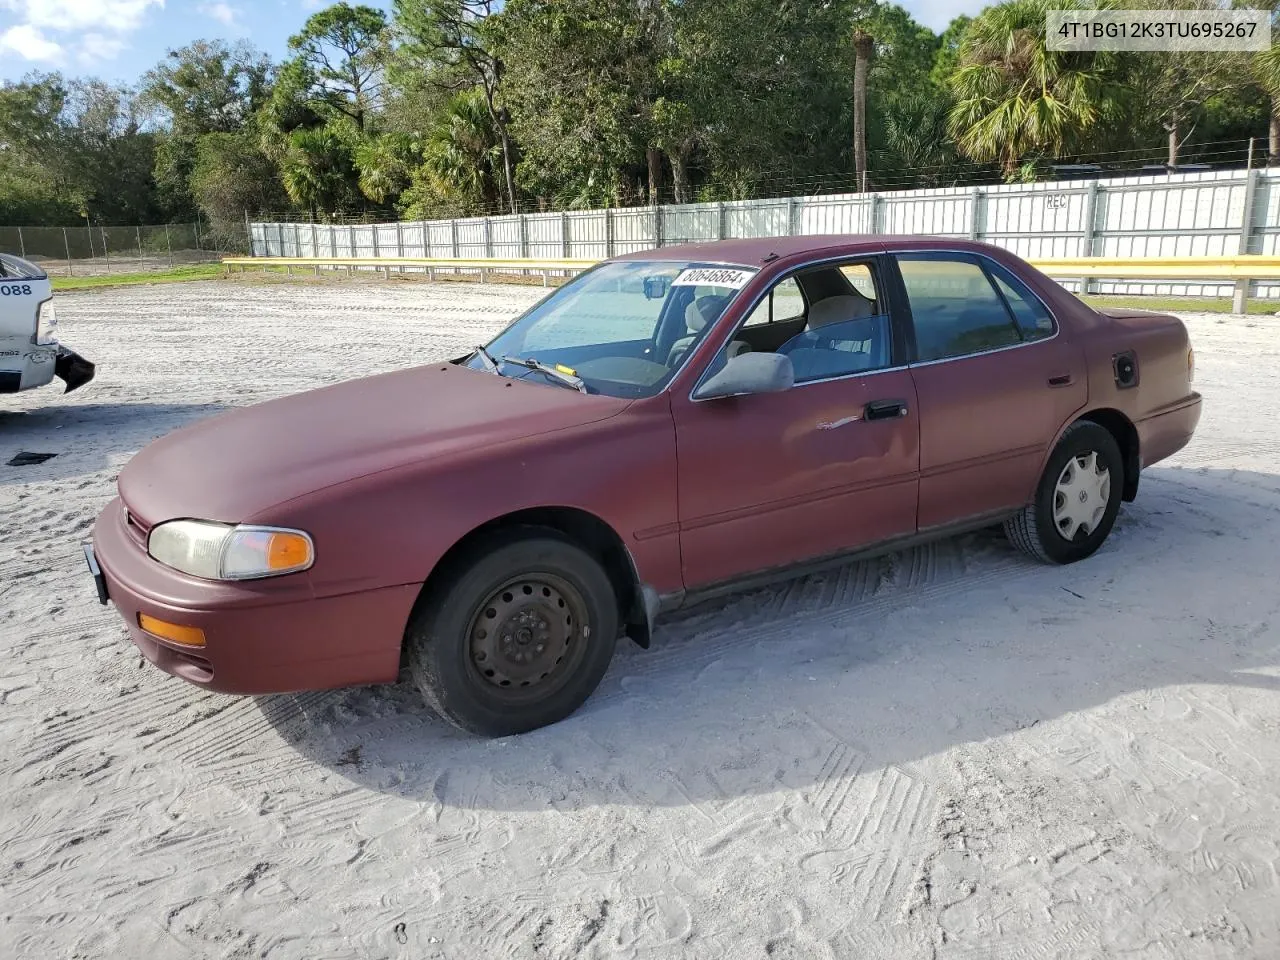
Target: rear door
(994, 380)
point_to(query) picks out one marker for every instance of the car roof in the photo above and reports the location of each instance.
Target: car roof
(753, 251)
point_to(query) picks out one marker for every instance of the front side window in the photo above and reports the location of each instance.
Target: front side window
(847, 330)
(622, 328)
(955, 309)
(784, 302)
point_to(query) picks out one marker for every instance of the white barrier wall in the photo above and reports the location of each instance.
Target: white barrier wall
(1219, 213)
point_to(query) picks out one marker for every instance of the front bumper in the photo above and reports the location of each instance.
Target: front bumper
(261, 636)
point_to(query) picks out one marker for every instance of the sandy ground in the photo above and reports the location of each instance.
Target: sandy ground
(948, 753)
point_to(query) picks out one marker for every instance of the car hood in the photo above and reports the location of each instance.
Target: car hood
(232, 466)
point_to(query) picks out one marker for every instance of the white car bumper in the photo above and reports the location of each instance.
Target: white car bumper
(26, 367)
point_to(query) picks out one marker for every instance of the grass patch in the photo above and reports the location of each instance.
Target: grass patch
(1181, 304)
(196, 271)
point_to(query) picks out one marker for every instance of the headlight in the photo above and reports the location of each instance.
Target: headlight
(221, 551)
(46, 323)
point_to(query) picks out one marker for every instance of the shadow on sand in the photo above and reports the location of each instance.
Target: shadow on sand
(874, 665)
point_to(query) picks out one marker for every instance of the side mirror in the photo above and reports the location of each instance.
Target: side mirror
(753, 372)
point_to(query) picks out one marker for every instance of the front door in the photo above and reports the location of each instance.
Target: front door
(830, 465)
(995, 381)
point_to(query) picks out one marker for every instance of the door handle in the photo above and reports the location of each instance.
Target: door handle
(885, 409)
(1062, 381)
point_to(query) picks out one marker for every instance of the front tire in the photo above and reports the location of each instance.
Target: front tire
(1077, 499)
(516, 636)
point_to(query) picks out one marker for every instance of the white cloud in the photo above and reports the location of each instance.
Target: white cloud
(96, 47)
(30, 44)
(110, 16)
(224, 13)
(92, 30)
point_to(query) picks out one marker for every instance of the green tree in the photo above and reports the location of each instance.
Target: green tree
(450, 44)
(208, 87)
(230, 177)
(916, 141)
(319, 171)
(1015, 98)
(340, 60)
(461, 159)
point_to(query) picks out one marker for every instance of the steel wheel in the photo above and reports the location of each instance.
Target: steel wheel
(1081, 495)
(528, 636)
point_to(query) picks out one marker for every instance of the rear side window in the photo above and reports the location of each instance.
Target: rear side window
(954, 308)
(1034, 320)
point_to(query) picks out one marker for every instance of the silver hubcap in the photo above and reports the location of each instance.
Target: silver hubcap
(1081, 496)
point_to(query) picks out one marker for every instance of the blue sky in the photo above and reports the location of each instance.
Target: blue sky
(118, 40)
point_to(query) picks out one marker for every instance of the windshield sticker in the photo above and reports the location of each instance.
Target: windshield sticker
(713, 277)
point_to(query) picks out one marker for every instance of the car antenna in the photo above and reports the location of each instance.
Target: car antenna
(770, 258)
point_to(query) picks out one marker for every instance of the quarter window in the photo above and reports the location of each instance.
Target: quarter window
(1034, 321)
(955, 309)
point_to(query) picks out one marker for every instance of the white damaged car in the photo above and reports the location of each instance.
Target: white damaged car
(30, 355)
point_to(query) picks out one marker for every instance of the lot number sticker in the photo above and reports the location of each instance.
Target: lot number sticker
(713, 277)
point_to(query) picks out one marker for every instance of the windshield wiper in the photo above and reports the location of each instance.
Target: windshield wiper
(568, 379)
(490, 364)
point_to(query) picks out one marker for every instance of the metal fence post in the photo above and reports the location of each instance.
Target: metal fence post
(977, 212)
(373, 230)
(453, 242)
(106, 254)
(1240, 298)
(564, 235)
(608, 232)
(1090, 229)
(297, 239)
(66, 245)
(22, 245)
(400, 245)
(657, 225)
(720, 217)
(522, 225)
(875, 213)
(138, 232)
(793, 218)
(168, 244)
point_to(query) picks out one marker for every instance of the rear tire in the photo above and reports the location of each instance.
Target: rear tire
(1077, 499)
(516, 636)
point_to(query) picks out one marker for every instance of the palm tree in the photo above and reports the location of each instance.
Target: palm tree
(462, 152)
(1014, 97)
(1266, 68)
(916, 142)
(863, 47)
(318, 171)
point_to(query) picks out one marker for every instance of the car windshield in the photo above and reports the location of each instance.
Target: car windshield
(620, 329)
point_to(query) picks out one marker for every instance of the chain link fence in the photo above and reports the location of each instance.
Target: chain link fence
(95, 249)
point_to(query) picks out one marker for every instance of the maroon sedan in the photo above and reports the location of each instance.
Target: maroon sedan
(669, 425)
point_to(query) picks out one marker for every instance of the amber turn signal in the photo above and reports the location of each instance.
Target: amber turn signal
(173, 632)
(287, 551)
